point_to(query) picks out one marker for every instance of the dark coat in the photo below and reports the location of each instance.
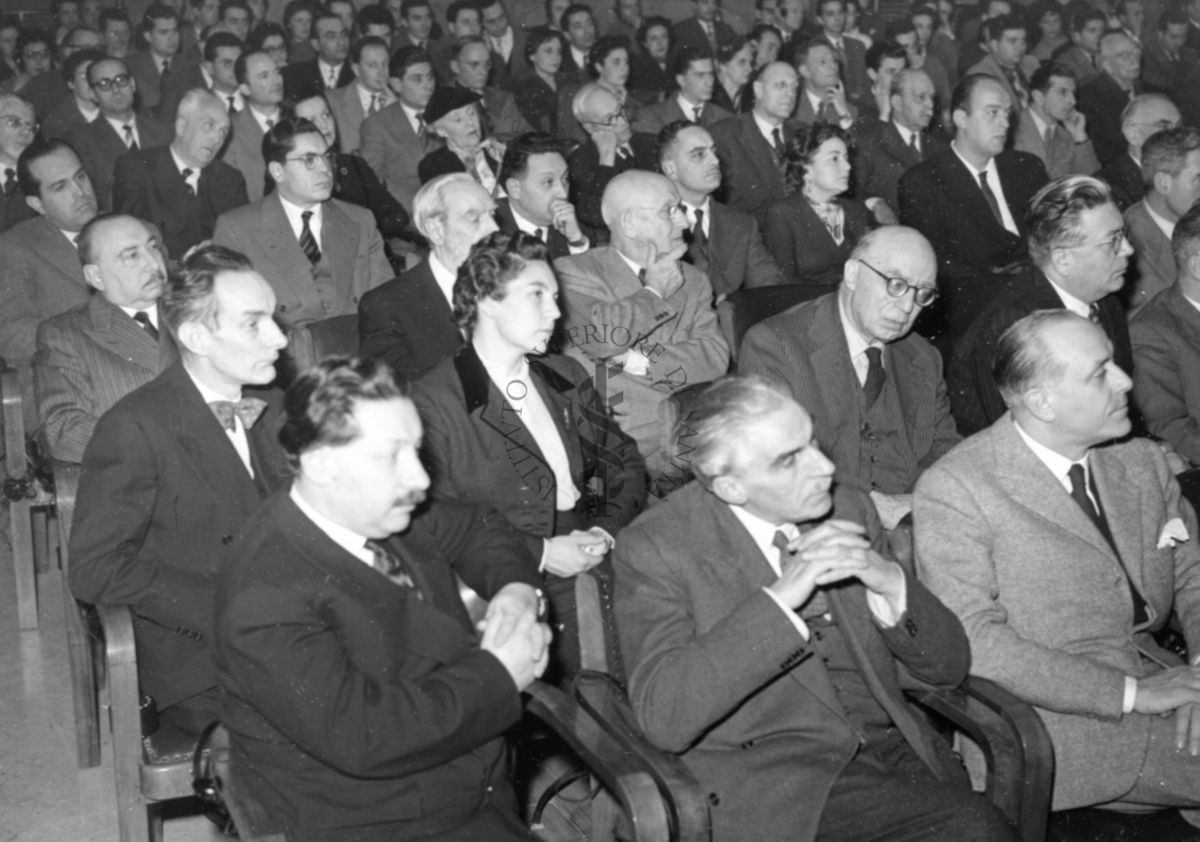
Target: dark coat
(408, 323)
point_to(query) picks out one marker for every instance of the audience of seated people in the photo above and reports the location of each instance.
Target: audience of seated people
(175, 199)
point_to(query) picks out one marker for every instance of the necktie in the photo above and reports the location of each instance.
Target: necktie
(696, 112)
(143, 318)
(393, 567)
(421, 126)
(827, 114)
(817, 604)
(374, 104)
(1079, 495)
(1048, 137)
(698, 235)
(232, 104)
(307, 242)
(777, 141)
(130, 140)
(270, 123)
(247, 409)
(1094, 313)
(540, 233)
(914, 144)
(873, 385)
(711, 35)
(624, 154)
(332, 83)
(166, 68)
(163, 78)
(990, 198)
(10, 181)
(187, 174)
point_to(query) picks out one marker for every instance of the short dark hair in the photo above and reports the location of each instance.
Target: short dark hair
(406, 57)
(1171, 17)
(158, 11)
(960, 97)
(92, 66)
(571, 11)
(1052, 220)
(25, 38)
(540, 35)
(323, 14)
(34, 152)
(493, 262)
(408, 5)
(189, 293)
(1185, 241)
(726, 50)
(280, 139)
(667, 136)
(521, 149)
(453, 10)
(373, 16)
(226, 5)
(108, 16)
(649, 23)
(356, 49)
(319, 405)
(1166, 151)
(84, 56)
(1022, 356)
(219, 40)
(295, 7)
(1082, 18)
(803, 146)
(761, 29)
(880, 50)
(801, 54)
(602, 49)
(994, 28)
(1046, 72)
(923, 11)
(264, 30)
(239, 65)
(685, 56)
(83, 240)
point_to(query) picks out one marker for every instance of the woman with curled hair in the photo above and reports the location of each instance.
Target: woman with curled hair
(734, 64)
(812, 232)
(513, 427)
(536, 91)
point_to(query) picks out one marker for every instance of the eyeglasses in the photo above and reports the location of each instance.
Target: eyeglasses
(35, 55)
(666, 211)
(106, 85)
(1114, 242)
(898, 287)
(622, 113)
(311, 159)
(18, 123)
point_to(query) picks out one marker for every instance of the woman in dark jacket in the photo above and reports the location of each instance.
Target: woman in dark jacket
(536, 92)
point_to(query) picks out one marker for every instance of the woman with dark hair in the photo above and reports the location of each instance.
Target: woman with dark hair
(608, 65)
(298, 17)
(34, 55)
(537, 91)
(734, 64)
(812, 232)
(513, 427)
(1050, 20)
(272, 39)
(650, 78)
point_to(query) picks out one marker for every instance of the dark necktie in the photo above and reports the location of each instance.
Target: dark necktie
(828, 114)
(1080, 495)
(10, 181)
(392, 566)
(374, 105)
(540, 233)
(307, 242)
(163, 79)
(421, 127)
(232, 104)
(187, 173)
(873, 385)
(143, 318)
(777, 142)
(1094, 313)
(698, 235)
(130, 141)
(247, 409)
(696, 112)
(914, 145)
(990, 198)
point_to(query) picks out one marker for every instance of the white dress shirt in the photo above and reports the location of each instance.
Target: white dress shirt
(119, 127)
(293, 212)
(347, 539)
(237, 436)
(993, 177)
(193, 180)
(858, 346)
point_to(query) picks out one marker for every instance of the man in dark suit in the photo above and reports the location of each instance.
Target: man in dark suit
(329, 70)
(534, 175)
(116, 130)
(694, 75)
(885, 150)
(91, 356)
(416, 26)
(182, 187)
(173, 471)
(40, 275)
(1171, 166)
(408, 322)
(874, 388)
(261, 87)
(807, 734)
(18, 128)
(822, 97)
(851, 54)
(158, 63)
(977, 233)
(725, 244)
(470, 66)
(79, 109)
(507, 42)
(1144, 116)
(579, 27)
(704, 31)
(1079, 251)
(1103, 99)
(752, 145)
(337, 597)
(320, 255)
(612, 147)
(1167, 63)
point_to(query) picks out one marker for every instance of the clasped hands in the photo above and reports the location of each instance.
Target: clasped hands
(833, 552)
(512, 631)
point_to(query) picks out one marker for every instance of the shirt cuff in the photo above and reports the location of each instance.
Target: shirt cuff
(581, 248)
(545, 555)
(1130, 694)
(873, 203)
(887, 613)
(799, 623)
(636, 363)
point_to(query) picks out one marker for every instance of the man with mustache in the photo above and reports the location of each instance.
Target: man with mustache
(172, 472)
(91, 356)
(360, 699)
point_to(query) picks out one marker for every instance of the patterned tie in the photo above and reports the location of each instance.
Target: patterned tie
(990, 198)
(130, 140)
(307, 242)
(873, 385)
(10, 181)
(247, 409)
(143, 318)
(333, 77)
(392, 566)
(421, 126)
(187, 174)
(374, 105)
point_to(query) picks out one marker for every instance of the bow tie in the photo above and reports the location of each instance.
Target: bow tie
(248, 409)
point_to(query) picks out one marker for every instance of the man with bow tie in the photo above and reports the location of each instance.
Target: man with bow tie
(173, 471)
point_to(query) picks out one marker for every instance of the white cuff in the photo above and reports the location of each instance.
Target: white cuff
(885, 612)
(636, 363)
(1130, 694)
(545, 554)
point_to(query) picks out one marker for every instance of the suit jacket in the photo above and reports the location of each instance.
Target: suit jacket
(607, 311)
(802, 246)
(348, 114)
(1001, 542)
(46, 92)
(974, 398)
(589, 178)
(502, 119)
(647, 77)
(556, 244)
(806, 115)
(13, 208)
(735, 256)
(87, 359)
(349, 240)
(1081, 63)
(408, 323)
(1164, 74)
(653, 118)
(149, 186)
(156, 98)
(881, 156)
(1062, 156)
(99, 146)
(805, 347)
(942, 199)
(417, 742)
(537, 102)
(389, 144)
(243, 152)
(990, 67)
(768, 739)
(1101, 100)
(64, 119)
(304, 77)
(481, 453)
(1153, 269)
(355, 182)
(852, 60)
(1124, 176)
(751, 177)
(443, 161)
(1166, 350)
(690, 33)
(161, 495)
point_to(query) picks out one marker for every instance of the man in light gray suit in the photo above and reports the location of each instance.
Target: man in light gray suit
(320, 255)
(261, 86)
(395, 140)
(1052, 128)
(368, 95)
(91, 356)
(1063, 554)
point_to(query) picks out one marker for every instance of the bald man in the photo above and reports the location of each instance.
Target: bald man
(1145, 115)
(636, 315)
(874, 388)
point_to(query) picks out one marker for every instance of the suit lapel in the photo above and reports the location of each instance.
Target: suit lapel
(59, 253)
(1186, 315)
(840, 389)
(962, 183)
(556, 393)
(169, 179)
(897, 148)
(1121, 510)
(912, 383)
(758, 151)
(285, 251)
(114, 330)
(339, 240)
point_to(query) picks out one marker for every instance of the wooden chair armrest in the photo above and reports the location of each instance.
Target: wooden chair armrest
(1015, 745)
(120, 656)
(14, 423)
(629, 783)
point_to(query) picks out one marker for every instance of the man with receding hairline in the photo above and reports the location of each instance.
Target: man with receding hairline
(1103, 98)
(18, 128)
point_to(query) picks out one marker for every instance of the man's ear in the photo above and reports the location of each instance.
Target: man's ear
(729, 490)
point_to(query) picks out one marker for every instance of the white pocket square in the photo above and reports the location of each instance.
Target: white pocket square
(1174, 532)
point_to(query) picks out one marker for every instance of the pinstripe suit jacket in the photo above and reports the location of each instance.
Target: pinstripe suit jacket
(87, 359)
(99, 146)
(805, 347)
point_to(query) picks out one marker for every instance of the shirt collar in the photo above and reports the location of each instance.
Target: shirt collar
(293, 213)
(813, 99)
(856, 342)
(990, 168)
(151, 312)
(1164, 225)
(765, 127)
(442, 276)
(763, 534)
(703, 206)
(526, 225)
(261, 119)
(634, 267)
(906, 134)
(120, 125)
(1076, 305)
(208, 394)
(688, 108)
(1038, 122)
(347, 539)
(1058, 464)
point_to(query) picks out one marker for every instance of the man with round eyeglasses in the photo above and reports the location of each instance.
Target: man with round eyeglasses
(874, 388)
(18, 128)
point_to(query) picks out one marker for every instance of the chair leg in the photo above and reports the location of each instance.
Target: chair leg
(83, 685)
(20, 528)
